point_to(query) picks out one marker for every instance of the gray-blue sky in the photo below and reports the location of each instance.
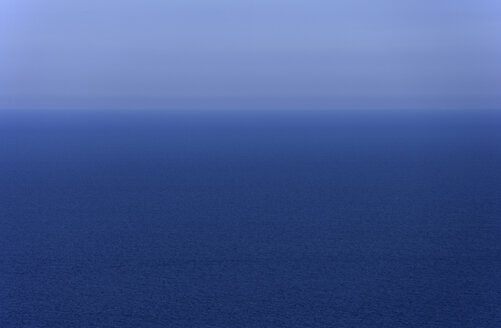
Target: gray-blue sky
(250, 54)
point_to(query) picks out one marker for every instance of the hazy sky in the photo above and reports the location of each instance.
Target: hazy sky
(250, 54)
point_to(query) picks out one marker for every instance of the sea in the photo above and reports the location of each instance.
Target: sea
(240, 218)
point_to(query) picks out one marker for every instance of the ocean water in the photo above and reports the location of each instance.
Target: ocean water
(250, 219)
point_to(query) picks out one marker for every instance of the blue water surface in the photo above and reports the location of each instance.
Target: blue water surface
(250, 219)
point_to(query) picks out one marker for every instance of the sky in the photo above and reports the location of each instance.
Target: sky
(259, 54)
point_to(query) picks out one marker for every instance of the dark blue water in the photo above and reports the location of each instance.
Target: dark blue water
(250, 219)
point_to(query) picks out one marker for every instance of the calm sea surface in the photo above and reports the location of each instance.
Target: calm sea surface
(250, 219)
